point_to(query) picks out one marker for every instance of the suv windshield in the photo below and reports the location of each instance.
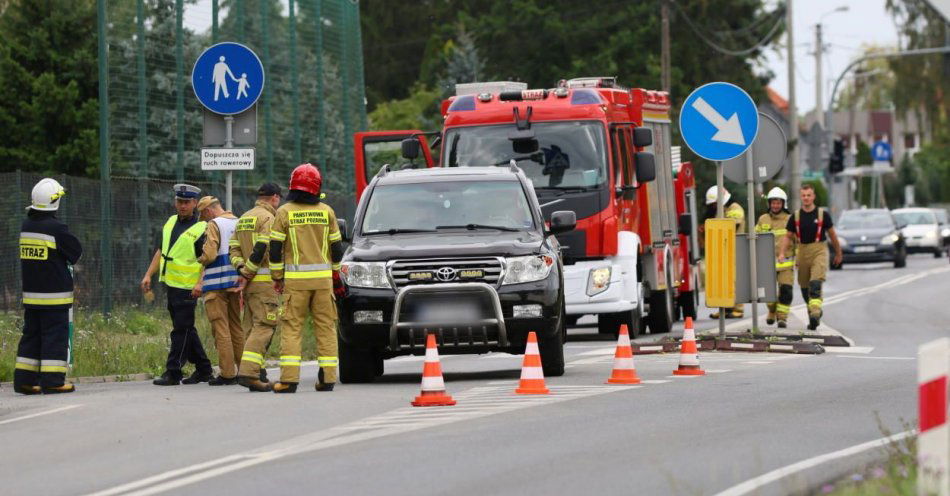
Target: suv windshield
(570, 155)
(916, 218)
(864, 220)
(499, 205)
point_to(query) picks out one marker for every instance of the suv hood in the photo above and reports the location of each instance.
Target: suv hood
(444, 244)
(872, 235)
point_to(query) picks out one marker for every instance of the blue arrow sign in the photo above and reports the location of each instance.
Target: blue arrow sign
(719, 121)
(881, 152)
(228, 78)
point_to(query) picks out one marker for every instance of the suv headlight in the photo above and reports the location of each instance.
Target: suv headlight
(528, 269)
(889, 239)
(598, 280)
(931, 235)
(365, 274)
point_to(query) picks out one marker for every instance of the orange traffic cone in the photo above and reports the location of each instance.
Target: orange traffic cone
(532, 375)
(689, 356)
(433, 387)
(624, 371)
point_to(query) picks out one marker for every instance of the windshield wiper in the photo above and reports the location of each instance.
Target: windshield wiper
(472, 227)
(397, 231)
(565, 189)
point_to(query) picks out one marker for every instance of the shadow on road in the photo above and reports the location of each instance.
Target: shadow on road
(481, 375)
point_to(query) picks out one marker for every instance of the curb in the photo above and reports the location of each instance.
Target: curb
(805, 348)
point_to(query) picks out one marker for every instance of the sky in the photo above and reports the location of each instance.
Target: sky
(866, 22)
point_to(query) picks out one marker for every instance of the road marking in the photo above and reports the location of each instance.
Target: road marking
(879, 357)
(718, 371)
(756, 483)
(759, 362)
(864, 350)
(592, 360)
(399, 421)
(598, 352)
(654, 381)
(40, 414)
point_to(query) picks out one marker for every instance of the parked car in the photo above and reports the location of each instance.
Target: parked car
(921, 229)
(944, 223)
(871, 235)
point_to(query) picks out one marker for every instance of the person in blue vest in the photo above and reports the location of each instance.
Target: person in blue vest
(220, 286)
(47, 250)
(178, 267)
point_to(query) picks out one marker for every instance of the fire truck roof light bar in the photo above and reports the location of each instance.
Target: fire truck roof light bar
(488, 87)
(593, 82)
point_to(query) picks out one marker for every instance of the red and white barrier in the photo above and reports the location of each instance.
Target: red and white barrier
(933, 440)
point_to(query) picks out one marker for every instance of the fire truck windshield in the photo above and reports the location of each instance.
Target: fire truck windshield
(570, 155)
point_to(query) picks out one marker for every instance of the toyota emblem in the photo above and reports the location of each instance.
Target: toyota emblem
(445, 274)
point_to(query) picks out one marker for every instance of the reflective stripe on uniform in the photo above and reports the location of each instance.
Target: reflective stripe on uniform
(327, 361)
(785, 265)
(335, 236)
(780, 232)
(37, 239)
(54, 366)
(250, 356)
(780, 308)
(308, 271)
(815, 302)
(234, 242)
(336, 267)
(276, 236)
(251, 266)
(277, 266)
(64, 298)
(289, 361)
(734, 214)
(306, 267)
(28, 364)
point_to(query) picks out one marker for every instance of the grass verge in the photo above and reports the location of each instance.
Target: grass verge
(897, 476)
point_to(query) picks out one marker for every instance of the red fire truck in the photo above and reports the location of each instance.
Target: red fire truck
(588, 145)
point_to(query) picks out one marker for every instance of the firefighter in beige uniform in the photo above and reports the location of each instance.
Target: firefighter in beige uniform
(774, 221)
(735, 212)
(220, 286)
(305, 251)
(249, 256)
(810, 225)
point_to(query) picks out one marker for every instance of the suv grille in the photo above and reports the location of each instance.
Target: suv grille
(405, 272)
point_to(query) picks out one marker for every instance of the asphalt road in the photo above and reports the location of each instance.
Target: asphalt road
(751, 414)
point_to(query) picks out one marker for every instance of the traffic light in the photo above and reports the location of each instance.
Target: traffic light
(836, 161)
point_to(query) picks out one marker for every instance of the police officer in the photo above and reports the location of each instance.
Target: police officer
(809, 226)
(249, 256)
(47, 249)
(305, 251)
(179, 269)
(735, 212)
(774, 221)
(222, 296)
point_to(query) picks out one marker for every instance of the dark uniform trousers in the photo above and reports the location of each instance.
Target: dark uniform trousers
(186, 344)
(43, 350)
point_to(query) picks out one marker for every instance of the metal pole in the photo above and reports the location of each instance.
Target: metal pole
(142, 169)
(819, 49)
(214, 22)
(321, 121)
(228, 143)
(665, 78)
(792, 107)
(105, 190)
(180, 90)
(269, 151)
(720, 213)
(295, 85)
(750, 222)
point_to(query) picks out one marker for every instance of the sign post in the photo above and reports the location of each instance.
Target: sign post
(719, 121)
(227, 79)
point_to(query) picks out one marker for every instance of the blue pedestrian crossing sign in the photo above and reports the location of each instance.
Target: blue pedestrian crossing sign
(881, 152)
(228, 78)
(719, 121)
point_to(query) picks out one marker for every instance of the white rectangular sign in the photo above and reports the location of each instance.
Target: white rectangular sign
(224, 159)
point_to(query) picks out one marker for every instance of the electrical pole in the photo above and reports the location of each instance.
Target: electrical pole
(792, 108)
(665, 78)
(819, 48)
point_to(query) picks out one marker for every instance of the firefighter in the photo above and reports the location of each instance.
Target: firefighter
(178, 268)
(735, 212)
(774, 221)
(47, 250)
(249, 256)
(811, 226)
(305, 253)
(222, 296)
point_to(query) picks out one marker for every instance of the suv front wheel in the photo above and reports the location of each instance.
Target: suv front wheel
(552, 350)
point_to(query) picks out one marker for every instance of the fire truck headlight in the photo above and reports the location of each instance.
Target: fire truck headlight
(598, 280)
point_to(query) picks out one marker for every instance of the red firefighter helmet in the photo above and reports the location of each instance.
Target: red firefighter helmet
(306, 177)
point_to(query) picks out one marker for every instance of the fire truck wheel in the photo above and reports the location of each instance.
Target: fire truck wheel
(571, 320)
(609, 323)
(358, 365)
(660, 318)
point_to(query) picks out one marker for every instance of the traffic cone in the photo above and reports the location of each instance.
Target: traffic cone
(624, 371)
(532, 375)
(689, 356)
(433, 387)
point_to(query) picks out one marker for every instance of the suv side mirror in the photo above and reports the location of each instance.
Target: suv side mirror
(646, 167)
(642, 136)
(686, 224)
(410, 148)
(341, 223)
(562, 221)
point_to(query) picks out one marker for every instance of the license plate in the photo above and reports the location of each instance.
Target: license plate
(863, 249)
(448, 311)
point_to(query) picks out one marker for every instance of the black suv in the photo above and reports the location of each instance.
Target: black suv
(462, 253)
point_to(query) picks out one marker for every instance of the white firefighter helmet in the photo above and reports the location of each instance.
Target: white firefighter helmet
(777, 193)
(713, 192)
(46, 195)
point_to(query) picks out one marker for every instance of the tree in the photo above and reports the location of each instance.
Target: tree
(872, 84)
(462, 62)
(49, 112)
(420, 110)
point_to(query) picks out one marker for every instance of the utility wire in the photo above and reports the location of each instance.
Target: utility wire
(737, 53)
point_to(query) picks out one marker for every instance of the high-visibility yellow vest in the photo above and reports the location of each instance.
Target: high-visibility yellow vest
(179, 266)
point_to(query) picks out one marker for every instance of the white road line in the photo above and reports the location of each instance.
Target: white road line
(864, 350)
(654, 381)
(40, 414)
(718, 371)
(752, 485)
(878, 357)
(599, 352)
(591, 360)
(759, 362)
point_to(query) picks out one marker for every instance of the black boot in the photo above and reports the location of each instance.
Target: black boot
(167, 379)
(223, 381)
(285, 387)
(197, 377)
(254, 385)
(323, 386)
(65, 388)
(28, 390)
(263, 375)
